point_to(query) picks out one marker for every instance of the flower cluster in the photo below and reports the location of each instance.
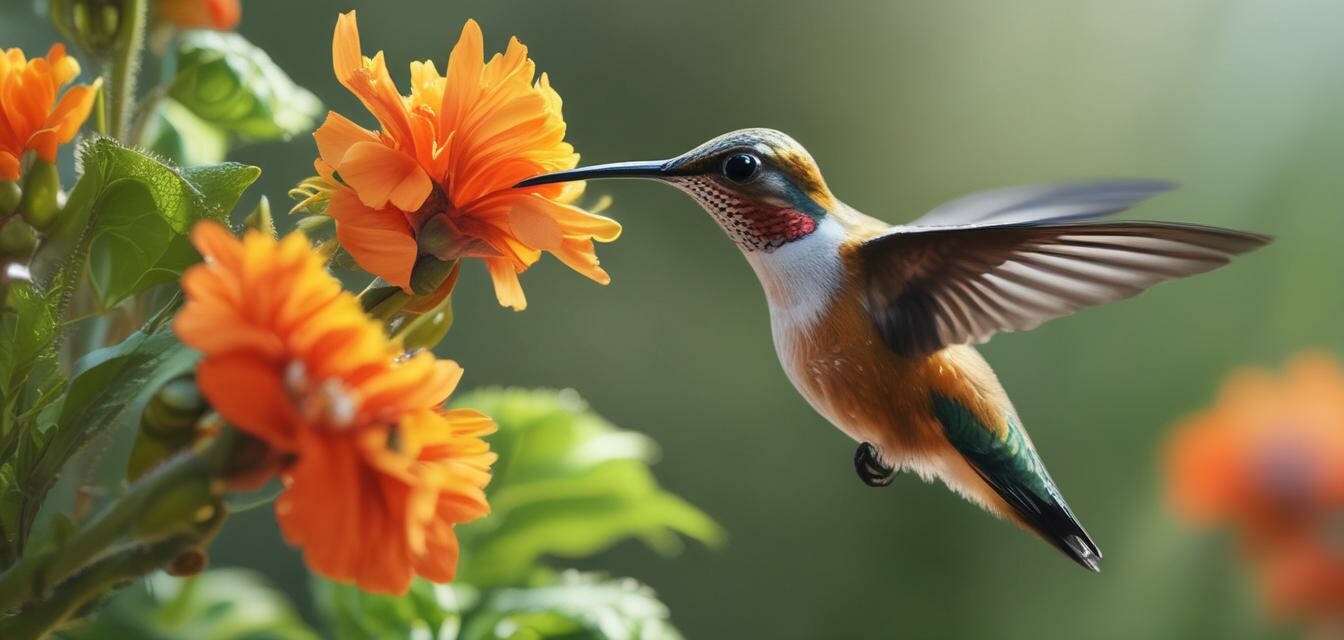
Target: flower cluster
(1267, 461)
(292, 359)
(33, 118)
(437, 178)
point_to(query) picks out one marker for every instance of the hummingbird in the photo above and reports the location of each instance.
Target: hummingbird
(874, 323)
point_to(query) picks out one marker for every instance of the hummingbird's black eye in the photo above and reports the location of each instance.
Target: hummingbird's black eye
(741, 167)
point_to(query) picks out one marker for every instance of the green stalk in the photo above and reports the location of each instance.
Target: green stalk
(124, 66)
(34, 574)
(71, 595)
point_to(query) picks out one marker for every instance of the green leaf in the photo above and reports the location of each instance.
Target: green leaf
(179, 135)
(30, 381)
(128, 215)
(568, 484)
(426, 611)
(572, 605)
(232, 85)
(577, 606)
(105, 385)
(220, 604)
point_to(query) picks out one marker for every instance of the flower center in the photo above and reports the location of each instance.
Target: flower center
(326, 402)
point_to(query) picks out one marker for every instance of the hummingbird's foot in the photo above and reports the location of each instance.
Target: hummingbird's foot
(871, 469)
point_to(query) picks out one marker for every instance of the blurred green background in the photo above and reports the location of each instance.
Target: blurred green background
(905, 105)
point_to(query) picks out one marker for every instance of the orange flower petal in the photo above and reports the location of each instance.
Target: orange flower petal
(382, 176)
(508, 290)
(251, 394)
(31, 117)
(380, 241)
(336, 135)
(9, 166)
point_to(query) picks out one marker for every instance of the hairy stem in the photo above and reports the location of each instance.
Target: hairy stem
(70, 595)
(34, 574)
(124, 66)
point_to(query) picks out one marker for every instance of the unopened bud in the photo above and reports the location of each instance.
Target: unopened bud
(17, 239)
(41, 199)
(10, 195)
(260, 218)
(94, 24)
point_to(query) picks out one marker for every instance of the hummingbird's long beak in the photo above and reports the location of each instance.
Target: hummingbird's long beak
(652, 170)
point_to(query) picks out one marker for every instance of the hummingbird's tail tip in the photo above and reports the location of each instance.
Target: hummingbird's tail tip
(1084, 552)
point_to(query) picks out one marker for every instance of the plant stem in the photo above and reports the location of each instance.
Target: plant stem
(34, 574)
(71, 595)
(124, 66)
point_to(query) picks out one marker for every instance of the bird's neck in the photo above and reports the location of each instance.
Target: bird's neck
(802, 278)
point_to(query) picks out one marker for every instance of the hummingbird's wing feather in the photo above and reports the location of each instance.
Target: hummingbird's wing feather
(1006, 460)
(931, 287)
(1039, 203)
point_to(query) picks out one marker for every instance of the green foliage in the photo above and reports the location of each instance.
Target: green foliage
(573, 605)
(30, 382)
(105, 385)
(222, 604)
(428, 610)
(234, 87)
(130, 213)
(177, 133)
(576, 606)
(568, 484)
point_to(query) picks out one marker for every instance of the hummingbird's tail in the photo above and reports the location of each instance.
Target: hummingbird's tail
(1006, 461)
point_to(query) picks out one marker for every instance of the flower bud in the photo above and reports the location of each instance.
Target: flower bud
(180, 508)
(94, 24)
(10, 194)
(426, 331)
(17, 239)
(260, 218)
(167, 425)
(41, 199)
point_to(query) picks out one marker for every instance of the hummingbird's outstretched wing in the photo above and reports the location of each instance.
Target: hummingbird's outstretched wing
(929, 287)
(1041, 203)
(1005, 459)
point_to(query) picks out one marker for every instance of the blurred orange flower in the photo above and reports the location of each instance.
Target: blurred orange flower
(31, 118)
(438, 178)
(219, 15)
(1267, 460)
(292, 359)
(1268, 453)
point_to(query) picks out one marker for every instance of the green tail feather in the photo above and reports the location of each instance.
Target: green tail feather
(1010, 465)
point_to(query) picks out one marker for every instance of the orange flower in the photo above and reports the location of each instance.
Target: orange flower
(220, 15)
(31, 118)
(1268, 459)
(381, 472)
(438, 177)
(1269, 452)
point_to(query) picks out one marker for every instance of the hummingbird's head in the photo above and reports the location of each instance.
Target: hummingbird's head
(762, 187)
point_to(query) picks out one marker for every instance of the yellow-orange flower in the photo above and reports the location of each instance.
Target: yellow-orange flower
(31, 118)
(438, 177)
(381, 472)
(219, 15)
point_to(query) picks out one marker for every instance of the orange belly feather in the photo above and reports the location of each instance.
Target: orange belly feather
(847, 373)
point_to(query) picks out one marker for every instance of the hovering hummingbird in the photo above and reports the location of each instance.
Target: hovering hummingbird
(873, 323)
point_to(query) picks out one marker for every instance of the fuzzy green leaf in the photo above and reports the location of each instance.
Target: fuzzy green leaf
(128, 216)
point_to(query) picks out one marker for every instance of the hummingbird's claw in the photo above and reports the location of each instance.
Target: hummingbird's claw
(870, 468)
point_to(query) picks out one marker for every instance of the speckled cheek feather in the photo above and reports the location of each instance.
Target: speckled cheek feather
(752, 226)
